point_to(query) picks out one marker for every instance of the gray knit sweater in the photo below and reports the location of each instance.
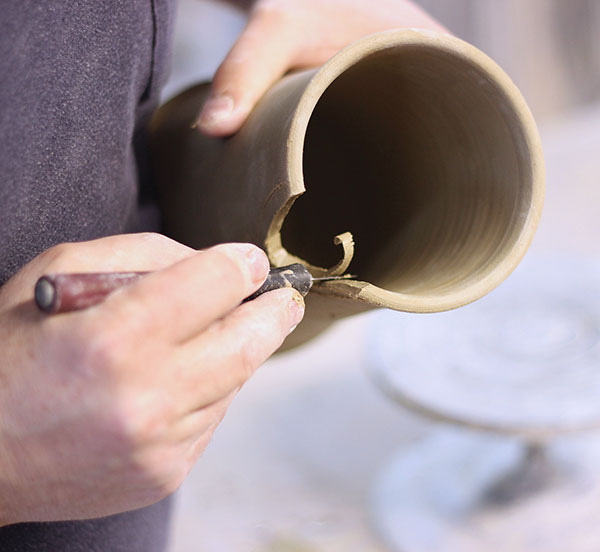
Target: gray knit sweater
(78, 81)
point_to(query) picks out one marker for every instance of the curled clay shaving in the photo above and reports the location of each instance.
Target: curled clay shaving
(347, 242)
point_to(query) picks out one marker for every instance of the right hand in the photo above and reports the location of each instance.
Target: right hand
(107, 409)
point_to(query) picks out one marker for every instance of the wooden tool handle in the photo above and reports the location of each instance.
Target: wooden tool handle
(56, 293)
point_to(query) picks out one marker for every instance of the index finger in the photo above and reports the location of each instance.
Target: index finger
(180, 301)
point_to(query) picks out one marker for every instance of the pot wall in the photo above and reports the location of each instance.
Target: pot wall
(416, 143)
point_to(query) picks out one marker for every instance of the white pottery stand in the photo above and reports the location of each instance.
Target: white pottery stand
(515, 378)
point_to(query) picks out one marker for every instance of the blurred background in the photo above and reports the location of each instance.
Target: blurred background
(292, 467)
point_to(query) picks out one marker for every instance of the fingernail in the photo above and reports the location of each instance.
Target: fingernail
(296, 310)
(216, 110)
(255, 258)
(259, 265)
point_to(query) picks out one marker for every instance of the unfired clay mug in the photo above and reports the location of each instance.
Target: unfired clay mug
(416, 143)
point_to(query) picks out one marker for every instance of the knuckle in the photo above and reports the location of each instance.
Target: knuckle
(102, 350)
(60, 249)
(86, 351)
(160, 247)
(281, 15)
(136, 423)
(162, 470)
(97, 354)
(156, 238)
(271, 8)
(54, 256)
(145, 420)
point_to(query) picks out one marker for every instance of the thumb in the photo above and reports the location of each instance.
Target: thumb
(261, 55)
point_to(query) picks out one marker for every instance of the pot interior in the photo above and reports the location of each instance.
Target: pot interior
(421, 155)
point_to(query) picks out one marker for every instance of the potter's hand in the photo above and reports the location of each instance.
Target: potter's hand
(291, 34)
(105, 410)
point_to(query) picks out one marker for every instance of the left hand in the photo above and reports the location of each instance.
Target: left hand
(282, 35)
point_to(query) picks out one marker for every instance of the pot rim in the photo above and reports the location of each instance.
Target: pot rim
(350, 56)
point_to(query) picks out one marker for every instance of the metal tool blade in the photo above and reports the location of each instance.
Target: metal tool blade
(330, 278)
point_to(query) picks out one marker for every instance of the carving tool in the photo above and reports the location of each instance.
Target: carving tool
(56, 293)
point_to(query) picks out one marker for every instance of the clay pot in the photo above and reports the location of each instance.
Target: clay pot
(416, 143)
